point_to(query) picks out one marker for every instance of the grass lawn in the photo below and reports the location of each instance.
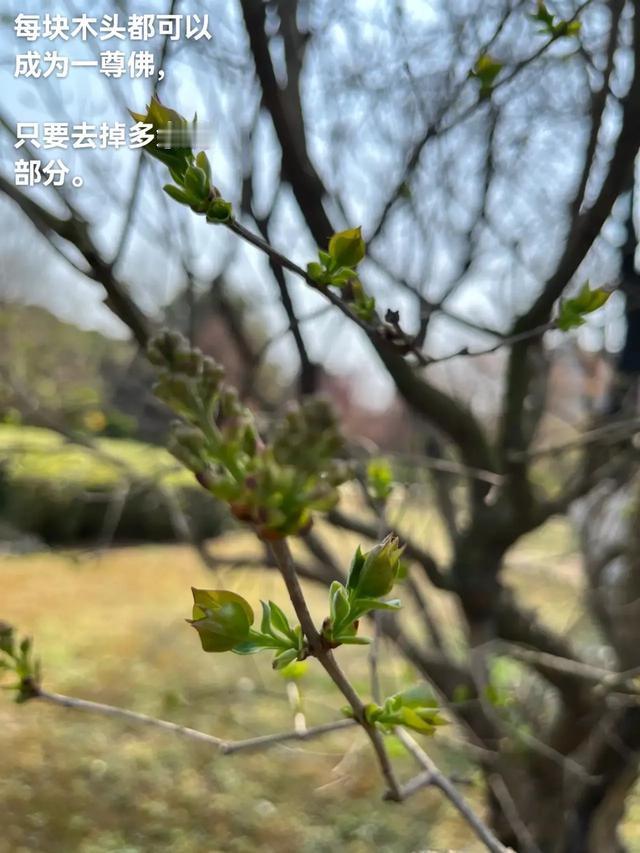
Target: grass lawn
(110, 627)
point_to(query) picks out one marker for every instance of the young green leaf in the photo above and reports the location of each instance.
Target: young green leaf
(351, 640)
(171, 144)
(265, 625)
(367, 605)
(347, 248)
(279, 622)
(543, 15)
(342, 276)
(573, 311)
(178, 194)
(339, 608)
(250, 647)
(356, 567)
(283, 659)
(415, 708)
(550, 26)
(486, 71)
(221, 618)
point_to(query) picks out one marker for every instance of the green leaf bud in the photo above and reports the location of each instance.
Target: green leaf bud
(195, 183)
(219, 211)
(230, 406)
(202, 161)
(338, 607)
(485, 71)
(374, 573)
(316, 272)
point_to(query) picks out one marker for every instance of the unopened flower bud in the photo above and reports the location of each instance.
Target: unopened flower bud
(230, 406)
(374, 573)
(191, 454)
(188, 362)
(211, 377)
(176, 390)
(164, 347)
(190, 437)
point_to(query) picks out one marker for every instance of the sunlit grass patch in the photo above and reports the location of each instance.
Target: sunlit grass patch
(111, 627)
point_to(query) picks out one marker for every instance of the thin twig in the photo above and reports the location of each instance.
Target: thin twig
(612, 432)
(376, 617)
(502, 794)
(270, 740)
(282, 554)
(126, 714)
(439, 127)
(224, 746)
(287, 264)
(506, 341)
(602, 679)
(435, 778)
(374, 332)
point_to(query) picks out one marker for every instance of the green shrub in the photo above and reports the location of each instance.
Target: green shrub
(67, 494)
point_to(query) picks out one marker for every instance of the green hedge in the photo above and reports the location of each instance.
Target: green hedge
(65, 494)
